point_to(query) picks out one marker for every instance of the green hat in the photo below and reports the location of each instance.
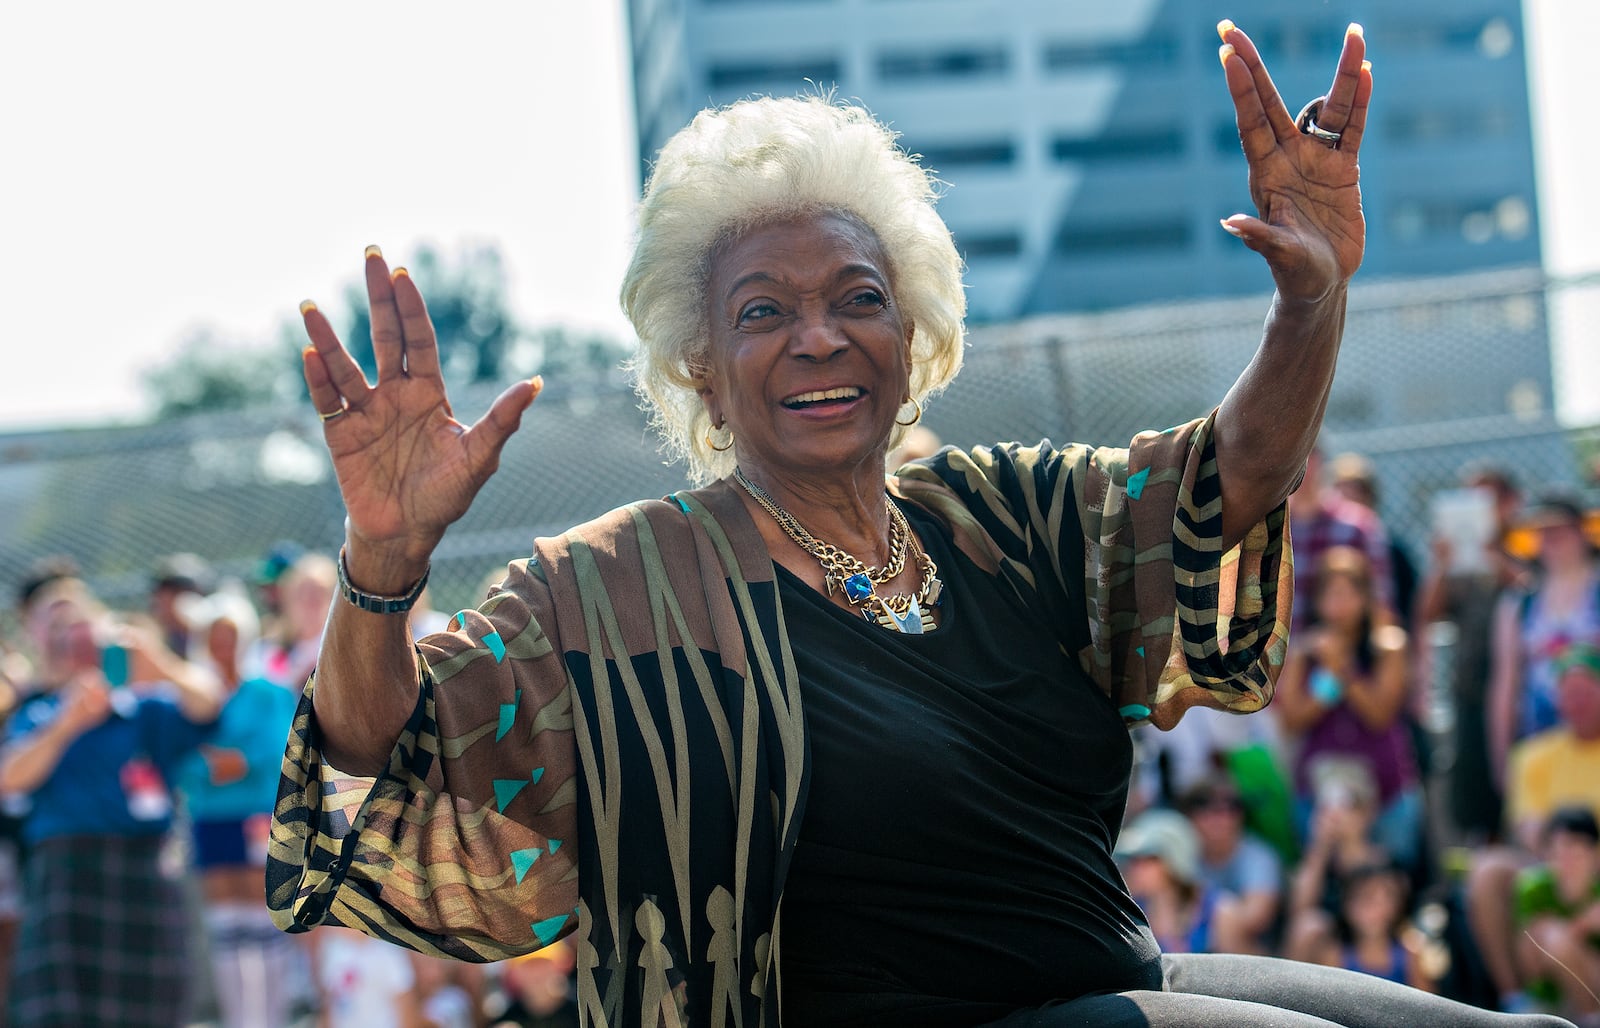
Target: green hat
(1581, 655)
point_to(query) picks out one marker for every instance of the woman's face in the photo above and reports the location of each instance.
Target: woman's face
(1340, 602)
(807, 357)
(1562, 544)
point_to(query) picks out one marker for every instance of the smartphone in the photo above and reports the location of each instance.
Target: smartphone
(114, 664)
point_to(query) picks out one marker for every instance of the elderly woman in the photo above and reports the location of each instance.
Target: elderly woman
(898, 715)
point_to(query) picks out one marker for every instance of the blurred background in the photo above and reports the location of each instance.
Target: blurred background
(181, 175)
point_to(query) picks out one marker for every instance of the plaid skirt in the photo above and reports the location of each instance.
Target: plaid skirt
(104, 940)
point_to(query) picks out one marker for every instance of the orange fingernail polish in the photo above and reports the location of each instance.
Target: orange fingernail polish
(537, 382)
(1223, 27)
(1355, 29)
(307, 306)
(1366, 66)
(373, 251)
(399, 273)
(1224, 52)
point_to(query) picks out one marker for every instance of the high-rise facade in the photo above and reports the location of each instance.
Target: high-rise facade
(1090, 148)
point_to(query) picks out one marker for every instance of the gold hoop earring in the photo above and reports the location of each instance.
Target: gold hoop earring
(714, 446)
(915, 418)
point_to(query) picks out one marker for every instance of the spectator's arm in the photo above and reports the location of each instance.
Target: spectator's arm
(1377, 699)
(195, 690)
(28, 763)
(1505, 681)
(1433, 595)
(1257, 910)
(1297, 709)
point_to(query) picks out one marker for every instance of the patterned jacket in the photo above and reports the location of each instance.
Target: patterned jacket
(613, 745)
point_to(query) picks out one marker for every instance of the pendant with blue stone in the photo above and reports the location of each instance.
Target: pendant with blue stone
(857, 587)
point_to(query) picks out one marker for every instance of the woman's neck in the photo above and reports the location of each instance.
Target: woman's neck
(849, 510)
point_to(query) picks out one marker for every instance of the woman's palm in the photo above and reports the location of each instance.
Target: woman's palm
(406, 467)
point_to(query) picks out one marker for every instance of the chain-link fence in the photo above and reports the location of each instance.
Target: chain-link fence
(1433, 374)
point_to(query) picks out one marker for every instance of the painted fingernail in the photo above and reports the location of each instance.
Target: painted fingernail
(1366, 66)
(399, 273)
(307, 306)
(1229, 227)
(1224, 52)
(373, 251)
(1355, 29)
(537, 382)
(1224, 27)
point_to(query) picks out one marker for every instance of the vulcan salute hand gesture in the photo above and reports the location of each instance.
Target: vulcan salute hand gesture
(1304, 177)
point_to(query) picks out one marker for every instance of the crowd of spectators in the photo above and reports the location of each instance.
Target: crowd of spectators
(1350, 824)
(1344, 825)
(138, 775)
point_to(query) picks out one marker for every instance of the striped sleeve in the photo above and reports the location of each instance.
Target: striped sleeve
(1123, 548)
(466, 845)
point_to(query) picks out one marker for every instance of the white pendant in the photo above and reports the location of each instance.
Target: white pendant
(910, 622)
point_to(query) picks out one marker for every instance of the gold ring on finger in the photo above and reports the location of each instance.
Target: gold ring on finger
(340, 412)
(1306, 122)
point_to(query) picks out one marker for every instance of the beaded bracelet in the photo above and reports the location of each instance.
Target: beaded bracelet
(379, 604)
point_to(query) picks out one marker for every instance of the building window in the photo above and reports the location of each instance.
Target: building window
(942, 64)
(980, 246)
(1310, 39)
(1159, 49)
(989, 153)
(1493, 39)
(1473, 221)
(1145, 144)
(730, 76)
(1437, 124)
(1085, 239)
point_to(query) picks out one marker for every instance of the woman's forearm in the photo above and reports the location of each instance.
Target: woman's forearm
(366, 673)
(1269, 420)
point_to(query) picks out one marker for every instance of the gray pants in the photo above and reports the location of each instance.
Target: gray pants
(1263, 992)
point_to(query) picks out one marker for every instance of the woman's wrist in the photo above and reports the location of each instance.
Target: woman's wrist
(383, 569)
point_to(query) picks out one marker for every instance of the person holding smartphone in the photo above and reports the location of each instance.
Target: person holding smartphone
(103, 932)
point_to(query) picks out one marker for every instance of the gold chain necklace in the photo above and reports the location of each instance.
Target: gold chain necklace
(841, 570)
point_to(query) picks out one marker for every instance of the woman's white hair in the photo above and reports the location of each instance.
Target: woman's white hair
(766, 160)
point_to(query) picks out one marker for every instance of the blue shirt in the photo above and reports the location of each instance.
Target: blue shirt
(255, 722)
(112, 779)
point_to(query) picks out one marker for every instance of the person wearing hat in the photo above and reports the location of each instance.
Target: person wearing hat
(1557, 907)
(1160, 855)
(176, 577)
(1552, 770)
(1356, 479)
(1532, 628)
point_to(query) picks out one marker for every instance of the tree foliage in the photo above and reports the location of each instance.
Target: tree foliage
(480, 340)
(209, 373)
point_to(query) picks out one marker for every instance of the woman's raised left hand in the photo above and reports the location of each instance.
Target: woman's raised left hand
(1307, 191)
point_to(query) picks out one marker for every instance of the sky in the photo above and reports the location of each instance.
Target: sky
(182, 167)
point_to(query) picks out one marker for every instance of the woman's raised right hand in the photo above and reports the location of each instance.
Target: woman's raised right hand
(406, 467)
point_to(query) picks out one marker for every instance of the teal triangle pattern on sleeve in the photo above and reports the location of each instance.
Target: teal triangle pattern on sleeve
(549, 928)
(508, 717)
(506, 789)
(1136, 483)
(538, 773)
(496, 645)
(522, 860)
(555, 844)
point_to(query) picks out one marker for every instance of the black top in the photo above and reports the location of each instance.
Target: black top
(954, 862)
